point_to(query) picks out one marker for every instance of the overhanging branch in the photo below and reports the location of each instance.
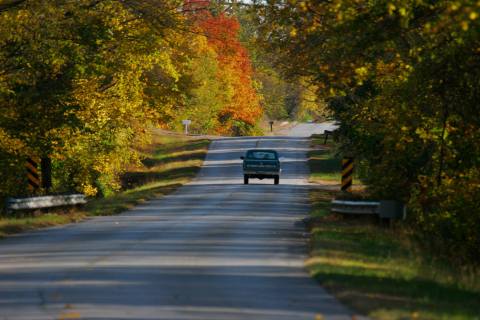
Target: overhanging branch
(8, 4)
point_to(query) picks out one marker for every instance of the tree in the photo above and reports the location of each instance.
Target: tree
(72, 83)
(240, 115)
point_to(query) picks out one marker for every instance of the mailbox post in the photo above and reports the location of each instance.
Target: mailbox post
(186, 123)
(271, 126)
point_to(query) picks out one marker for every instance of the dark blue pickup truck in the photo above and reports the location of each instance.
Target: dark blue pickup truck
(261, 164)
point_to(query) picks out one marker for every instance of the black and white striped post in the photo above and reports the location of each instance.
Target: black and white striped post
(347, 173)
(33, 177)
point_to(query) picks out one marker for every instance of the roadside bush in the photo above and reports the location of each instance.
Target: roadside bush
(448, 219)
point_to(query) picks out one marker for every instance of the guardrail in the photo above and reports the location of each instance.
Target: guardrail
(388, 209)
(355, 207)
(44, 202)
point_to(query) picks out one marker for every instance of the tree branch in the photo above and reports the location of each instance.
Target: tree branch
(5, 5)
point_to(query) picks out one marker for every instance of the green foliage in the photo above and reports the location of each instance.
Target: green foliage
(274, 93)
(205, 93)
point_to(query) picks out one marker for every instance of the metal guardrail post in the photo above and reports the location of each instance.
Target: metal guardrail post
(391, 209)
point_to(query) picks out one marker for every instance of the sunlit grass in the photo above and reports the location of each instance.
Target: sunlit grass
(169, 162)
(325, 162)
(380, 271)
(10, 225)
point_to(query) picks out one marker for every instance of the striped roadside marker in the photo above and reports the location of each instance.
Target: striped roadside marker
(347, 172)
(32, 174)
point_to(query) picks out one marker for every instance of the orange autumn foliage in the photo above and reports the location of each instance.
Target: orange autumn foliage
(243, 110)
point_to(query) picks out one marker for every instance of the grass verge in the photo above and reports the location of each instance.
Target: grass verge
(324, 161)
(168, 163)
(380, 272)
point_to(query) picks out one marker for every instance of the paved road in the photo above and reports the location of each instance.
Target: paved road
(215, 249)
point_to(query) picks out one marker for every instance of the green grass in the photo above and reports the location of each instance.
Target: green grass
(21, 224)
(381, 272)
(168, 163)
(324, 163)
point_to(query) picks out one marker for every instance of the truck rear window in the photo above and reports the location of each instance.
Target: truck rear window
(261, 155)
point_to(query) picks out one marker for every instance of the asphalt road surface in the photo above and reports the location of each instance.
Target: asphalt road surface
(215, 249)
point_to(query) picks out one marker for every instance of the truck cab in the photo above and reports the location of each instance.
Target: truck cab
(261, 164)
